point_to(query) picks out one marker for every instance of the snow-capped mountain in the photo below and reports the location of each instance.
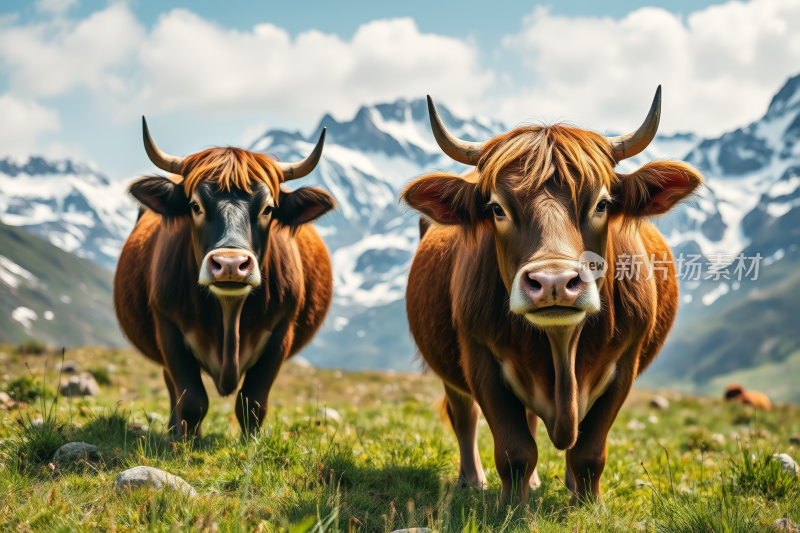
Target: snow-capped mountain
(70, 205)
(750, 205)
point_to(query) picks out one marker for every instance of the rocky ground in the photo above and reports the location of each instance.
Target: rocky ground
(362, 451)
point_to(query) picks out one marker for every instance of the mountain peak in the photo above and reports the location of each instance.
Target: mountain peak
(787, 98)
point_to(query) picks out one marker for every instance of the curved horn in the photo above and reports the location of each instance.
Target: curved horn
(629, 145)
(167, 162)
(462, 151)
(292, 171)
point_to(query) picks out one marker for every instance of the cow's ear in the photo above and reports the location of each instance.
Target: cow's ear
(656, 188)
(446, 199)
(160, 195)
(296, 208)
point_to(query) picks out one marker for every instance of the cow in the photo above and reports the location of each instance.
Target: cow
(736, 393)
(516, 298)
(223, 274)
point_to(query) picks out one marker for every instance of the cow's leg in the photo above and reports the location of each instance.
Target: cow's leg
(191, 398)
(533, 425)
(172, 424)
(515, 452)
(251, 402)
(587, 459)
(463, 413)
(569, 481)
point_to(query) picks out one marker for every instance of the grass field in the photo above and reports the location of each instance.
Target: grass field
(701, 465)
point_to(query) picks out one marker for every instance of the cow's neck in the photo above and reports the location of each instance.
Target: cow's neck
(231, 315)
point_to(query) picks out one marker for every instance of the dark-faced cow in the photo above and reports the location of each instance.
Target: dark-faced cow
(223, 274)
(505, 307)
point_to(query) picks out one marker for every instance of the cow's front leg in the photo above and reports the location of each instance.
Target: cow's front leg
(515, 452)
(587, 459)
(184, 372)
(251, 402)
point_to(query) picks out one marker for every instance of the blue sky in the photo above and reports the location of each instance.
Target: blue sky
(76, 75)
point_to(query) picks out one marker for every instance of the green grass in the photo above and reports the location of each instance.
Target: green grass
(389, 464)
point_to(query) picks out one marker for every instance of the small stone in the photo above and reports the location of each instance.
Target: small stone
(5, 399)
(784, 524)
(147, 476)
(73, 451)
(83, 384)
(155, 417)
(68, 367)
(37, 422)
(787, 463)
(635, 425)
(326, 413)
(795, 439)
(659, 402)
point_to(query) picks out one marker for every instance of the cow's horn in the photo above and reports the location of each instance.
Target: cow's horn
(292, 171)
(167, 162)
(629, 145)
(462, 151)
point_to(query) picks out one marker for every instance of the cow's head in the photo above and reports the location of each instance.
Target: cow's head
(548, 194)
(231, 197)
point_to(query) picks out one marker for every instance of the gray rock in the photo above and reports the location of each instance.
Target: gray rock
(328, 414)
(787, 463)
(68, 367)
(784, 524)
(83, 384)
(147, 476)
(155, 418)
(659, 402)
(74, 451)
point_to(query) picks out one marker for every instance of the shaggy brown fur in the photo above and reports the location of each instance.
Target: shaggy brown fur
(458, 295)
(736, 393)
(160, 305)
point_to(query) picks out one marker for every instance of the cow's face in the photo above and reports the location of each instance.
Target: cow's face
(550, 215)
(231, 226)
(541, 236)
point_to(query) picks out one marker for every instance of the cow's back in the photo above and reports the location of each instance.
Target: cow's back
(429, 303)
(132, 286)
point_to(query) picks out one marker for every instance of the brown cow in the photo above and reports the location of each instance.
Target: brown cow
(223, 274)
(508, 309)
(759, 400)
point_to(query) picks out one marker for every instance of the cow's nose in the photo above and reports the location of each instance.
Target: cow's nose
(548, 288)
(230, 266)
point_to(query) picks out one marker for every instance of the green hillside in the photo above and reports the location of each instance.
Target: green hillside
(71, 297)
(750, 336)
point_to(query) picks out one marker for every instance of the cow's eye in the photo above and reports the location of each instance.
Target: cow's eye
(267, 210)
(196, 208)
(602, 206)
(498, 211)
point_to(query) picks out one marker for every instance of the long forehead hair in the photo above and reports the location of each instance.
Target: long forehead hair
(230, 167)
(576, 158)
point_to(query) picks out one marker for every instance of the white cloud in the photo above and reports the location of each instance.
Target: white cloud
(719, 68)
(189, 62)
(22, 122)
(57, 7)
(54, 57)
